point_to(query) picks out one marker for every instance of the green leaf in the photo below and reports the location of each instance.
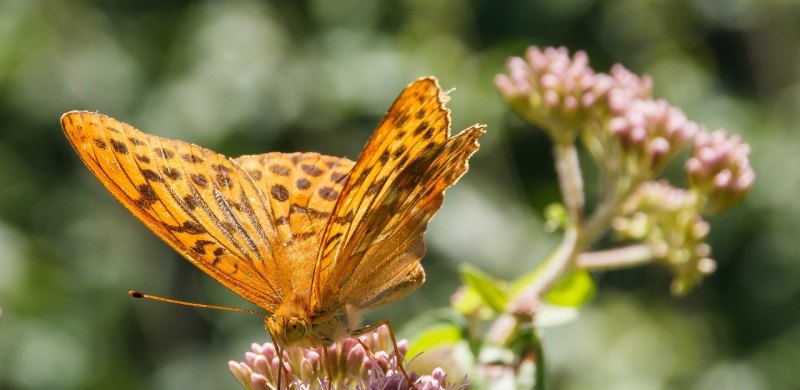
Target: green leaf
(468, 302)
(431, 318)
(573, 290)
(434, 336)
(486, 287)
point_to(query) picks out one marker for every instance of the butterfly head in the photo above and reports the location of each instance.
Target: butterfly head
(287, 330)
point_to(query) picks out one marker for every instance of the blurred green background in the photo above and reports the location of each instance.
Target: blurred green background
(246, 77)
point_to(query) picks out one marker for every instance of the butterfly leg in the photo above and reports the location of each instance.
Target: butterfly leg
(326, 365)
(279, 350)
(370, 328)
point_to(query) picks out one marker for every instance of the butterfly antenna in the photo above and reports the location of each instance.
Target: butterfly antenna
(137, 294)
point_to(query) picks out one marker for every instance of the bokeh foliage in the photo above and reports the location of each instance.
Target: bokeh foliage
(249, 76)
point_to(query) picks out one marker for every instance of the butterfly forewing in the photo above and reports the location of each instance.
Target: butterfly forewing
(405, 167)
(196, 200)
(402, 215)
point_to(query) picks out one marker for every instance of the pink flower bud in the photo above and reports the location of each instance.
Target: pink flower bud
(259, 382)
(249, 358)
(720, 169)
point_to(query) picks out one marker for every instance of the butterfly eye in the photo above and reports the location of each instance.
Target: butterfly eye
(295, 329)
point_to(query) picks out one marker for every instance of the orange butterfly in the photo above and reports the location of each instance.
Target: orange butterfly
(311, 239)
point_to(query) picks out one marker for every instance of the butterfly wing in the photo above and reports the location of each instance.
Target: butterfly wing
(419, 192)
(198, 201)
(372, 243)
(301, 190)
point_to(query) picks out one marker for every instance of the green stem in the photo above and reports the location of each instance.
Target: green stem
(541, 366)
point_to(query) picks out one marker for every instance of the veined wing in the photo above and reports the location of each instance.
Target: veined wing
(198, 201)
(300, 191)
(393, 190)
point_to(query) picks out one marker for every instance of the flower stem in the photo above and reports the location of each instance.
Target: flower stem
(552, 269)
(570, 180)
(598, 223)
(571, 183)
(624, 257)
(609, 207)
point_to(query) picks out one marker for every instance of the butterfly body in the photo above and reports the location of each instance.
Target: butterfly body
(312, 239)
(294, 325)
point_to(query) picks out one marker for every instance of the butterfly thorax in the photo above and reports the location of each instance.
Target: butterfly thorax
(294, 324)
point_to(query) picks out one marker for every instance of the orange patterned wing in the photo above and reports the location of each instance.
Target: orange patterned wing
(202, 204)
(372, 243)
(301, 190)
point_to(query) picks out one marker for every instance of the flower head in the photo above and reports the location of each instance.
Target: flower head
(349, 365)
(625, 88)
(720, 169)
(564, 94)
(650, 133)
(551, 89)
(668, 219)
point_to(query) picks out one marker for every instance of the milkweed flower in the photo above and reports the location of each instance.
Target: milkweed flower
(350, 366)
(668, 219)
(720, 169)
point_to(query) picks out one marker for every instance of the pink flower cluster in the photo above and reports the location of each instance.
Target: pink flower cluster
(720, 169)
(348, 366)
(632, 138)
(562, 94)
(650, 133)
(613, 111)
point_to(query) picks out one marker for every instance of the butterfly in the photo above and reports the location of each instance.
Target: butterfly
(312, 239)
